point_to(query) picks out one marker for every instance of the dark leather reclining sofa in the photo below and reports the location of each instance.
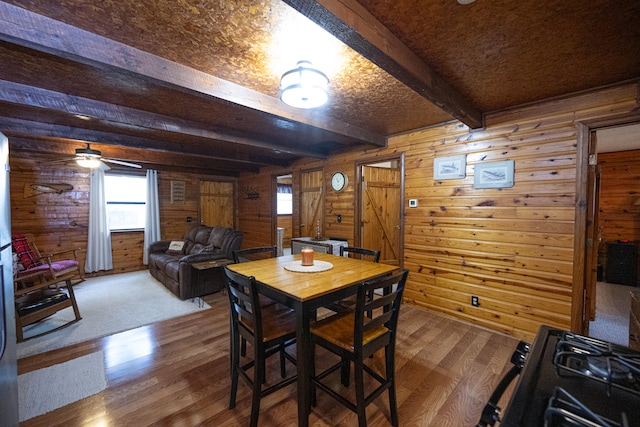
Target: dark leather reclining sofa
(201, 243)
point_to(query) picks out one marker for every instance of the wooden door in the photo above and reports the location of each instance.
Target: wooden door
(381, 212)
(311, 197)
(217, 203)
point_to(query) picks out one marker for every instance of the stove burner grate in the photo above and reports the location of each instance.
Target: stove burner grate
(600, 360)
(564, 410)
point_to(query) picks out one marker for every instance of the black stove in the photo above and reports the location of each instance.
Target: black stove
(572, 380)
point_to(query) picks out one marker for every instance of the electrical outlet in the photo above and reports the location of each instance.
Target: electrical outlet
(413, 203)
(474, 301)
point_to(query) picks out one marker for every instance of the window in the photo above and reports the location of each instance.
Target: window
(126, 197)
(284, 199)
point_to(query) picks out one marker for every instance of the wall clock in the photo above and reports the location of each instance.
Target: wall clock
(338, 181)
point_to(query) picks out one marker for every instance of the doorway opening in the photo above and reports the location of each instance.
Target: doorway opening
(615, 205)
(284, 209)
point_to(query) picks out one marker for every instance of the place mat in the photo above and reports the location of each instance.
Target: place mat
(316, 267)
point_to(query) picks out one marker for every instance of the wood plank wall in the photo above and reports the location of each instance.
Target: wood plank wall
(619, 217)
(619, 190)
(511, 247)
(60, 221)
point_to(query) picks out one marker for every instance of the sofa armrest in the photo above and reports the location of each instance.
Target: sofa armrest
(159, 246)
(202, 257)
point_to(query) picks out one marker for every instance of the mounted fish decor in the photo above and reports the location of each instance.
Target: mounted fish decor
(31, 190)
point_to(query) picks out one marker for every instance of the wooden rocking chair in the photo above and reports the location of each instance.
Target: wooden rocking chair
(37, 286)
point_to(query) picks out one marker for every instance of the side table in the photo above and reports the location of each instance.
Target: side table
(209, 276)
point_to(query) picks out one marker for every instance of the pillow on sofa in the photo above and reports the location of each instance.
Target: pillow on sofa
(175, 247)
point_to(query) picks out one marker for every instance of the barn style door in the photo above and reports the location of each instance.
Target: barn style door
(381, 211)
(216, 203)
(311, 196)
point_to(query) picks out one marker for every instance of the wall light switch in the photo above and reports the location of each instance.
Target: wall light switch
(413, 203)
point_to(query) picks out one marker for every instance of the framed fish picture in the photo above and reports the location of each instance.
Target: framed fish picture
(493, 175)
(452, 167)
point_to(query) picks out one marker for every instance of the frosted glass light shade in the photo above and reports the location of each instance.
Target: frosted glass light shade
(88, 163)
(304, 87)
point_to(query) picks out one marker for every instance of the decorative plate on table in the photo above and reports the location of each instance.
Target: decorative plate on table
(316, 267)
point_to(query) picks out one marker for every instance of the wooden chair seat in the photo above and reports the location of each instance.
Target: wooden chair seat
(338, 330)
(277, 321)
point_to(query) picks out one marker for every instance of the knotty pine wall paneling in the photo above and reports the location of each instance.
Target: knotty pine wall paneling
(255, 203)
(60, 221)
(619, 217)
(511, 247)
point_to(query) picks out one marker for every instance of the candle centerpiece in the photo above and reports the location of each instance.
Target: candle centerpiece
(307, 256)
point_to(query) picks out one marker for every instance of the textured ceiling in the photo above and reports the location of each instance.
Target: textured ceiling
(201, 78)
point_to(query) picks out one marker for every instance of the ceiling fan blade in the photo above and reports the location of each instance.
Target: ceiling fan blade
(120, 162)
(54, 161)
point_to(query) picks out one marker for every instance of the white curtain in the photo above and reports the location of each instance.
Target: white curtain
(152, 222)
(99, 243)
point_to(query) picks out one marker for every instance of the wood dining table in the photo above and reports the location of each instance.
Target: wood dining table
(305, 292)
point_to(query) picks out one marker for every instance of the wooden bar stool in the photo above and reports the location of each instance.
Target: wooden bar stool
(356, 335)
(269, 330)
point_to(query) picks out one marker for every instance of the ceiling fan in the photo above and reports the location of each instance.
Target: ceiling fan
(89, 158)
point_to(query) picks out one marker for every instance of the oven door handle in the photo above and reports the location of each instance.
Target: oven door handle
(491, 411)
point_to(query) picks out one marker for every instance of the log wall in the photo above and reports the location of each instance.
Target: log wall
(511, 247)
(60, 221)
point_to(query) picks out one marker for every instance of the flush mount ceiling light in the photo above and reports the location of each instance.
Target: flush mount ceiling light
(87, 162)
(87, 157)
(304, 87)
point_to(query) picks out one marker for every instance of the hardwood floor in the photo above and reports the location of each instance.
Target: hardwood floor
(176, 373)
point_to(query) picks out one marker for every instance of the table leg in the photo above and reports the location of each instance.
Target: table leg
(305, 359)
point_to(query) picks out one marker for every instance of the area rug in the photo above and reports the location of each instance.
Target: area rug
(46, 389)
(109, 304)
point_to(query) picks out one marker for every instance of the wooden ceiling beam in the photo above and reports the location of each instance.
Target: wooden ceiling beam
(58, 149)
(19, 94)
(352, 24)
(25, 129)
(24, 28)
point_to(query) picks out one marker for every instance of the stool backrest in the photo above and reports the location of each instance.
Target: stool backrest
(381, 311)
(361, 253)
(251, 254)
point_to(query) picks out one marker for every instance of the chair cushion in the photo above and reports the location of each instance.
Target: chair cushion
(38, 300)
(56, 266)
(26, 256)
